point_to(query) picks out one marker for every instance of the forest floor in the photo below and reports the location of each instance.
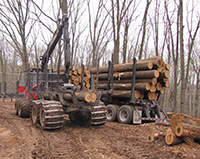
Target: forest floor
(20, 139)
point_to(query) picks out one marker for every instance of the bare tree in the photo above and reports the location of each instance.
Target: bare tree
(17, 26)
(155, 25)
(118, 12)
(98, 32)
(144, 28)
(172, 50)
(196, 67)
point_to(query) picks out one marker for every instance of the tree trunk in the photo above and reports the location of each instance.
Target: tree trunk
(144, 28)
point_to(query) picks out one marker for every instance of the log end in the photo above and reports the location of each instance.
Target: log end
(169, 138)
(150, 65)
(150, 137)
(156, 74)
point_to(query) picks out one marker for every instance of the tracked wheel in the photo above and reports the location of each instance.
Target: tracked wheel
(35, 113)
(24, 108)
(51, 115)
(98, 115)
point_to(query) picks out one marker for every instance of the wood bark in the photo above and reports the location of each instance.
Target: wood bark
(125, 94)
(172, 139)
(146, 65)
(152, 81)
(185, 125)
(164, 74)
(82, 96)
(128, 75)
(153, 137)
(127, 86)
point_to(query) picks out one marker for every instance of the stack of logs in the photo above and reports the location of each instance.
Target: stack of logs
(182, 128)
(151, 77)
(75, 75)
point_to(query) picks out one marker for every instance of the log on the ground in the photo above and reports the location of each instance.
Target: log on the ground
(178, 119)
(172, 139)
(152, 137)
(188, 130)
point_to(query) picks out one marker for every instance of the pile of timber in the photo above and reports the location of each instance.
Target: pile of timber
(151, 77)
(75, 77)
(182, 128)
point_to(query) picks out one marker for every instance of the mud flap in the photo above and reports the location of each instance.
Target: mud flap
(137, 116)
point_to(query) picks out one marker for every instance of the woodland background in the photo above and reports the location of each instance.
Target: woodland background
(126, 28)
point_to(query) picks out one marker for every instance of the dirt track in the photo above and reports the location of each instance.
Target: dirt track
(19, 139)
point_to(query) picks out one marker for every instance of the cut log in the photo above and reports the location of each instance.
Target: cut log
(86, 79)
(164, 82)
(158, 86)
(163, 64)
(79, 71)
(152, 88)
(93, 97)
(128, 75)
(162, 91)
(172, 139)
(142, 95)
(168, 66)
(75, 72)
(189, 130)
(82, 96)
(122, 86)
(87, 85)
(152, 81)
(151, 58)
(125, 94)
(165, 74)
(145, 65)
(185, 124)
(153, 137)
(161, 69)
(76, 81)
(152, 96)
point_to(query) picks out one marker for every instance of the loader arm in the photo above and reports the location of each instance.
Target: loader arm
(62, 29)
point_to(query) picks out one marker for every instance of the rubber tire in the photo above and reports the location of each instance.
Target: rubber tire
(111, 109)
(17, 102)
(24, 109)
(125, 114)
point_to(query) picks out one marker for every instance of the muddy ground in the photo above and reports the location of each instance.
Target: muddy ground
(20, 139)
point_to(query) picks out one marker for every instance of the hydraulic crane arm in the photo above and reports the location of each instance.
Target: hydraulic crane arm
(62, 29)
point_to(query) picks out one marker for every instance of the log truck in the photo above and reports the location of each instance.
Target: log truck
(47, 96)
(123, 106)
